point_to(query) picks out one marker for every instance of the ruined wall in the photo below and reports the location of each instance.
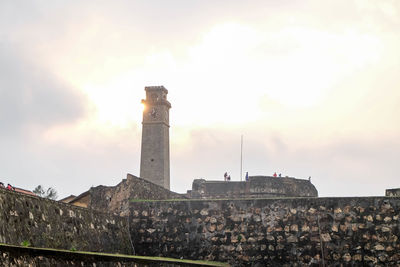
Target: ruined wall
(46, 223)
(116, 198)
(272, 232)
(255, 187)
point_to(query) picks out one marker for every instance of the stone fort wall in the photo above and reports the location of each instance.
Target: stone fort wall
(41, 222)
(395, 192)
(116, 199)
(271, 232)
(255, 187)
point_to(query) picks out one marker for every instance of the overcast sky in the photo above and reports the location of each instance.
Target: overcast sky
(313, 86)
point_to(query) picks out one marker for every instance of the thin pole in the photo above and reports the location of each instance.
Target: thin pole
(241, 157)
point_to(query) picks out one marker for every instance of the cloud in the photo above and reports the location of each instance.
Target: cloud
(33, 100)
(33, 97)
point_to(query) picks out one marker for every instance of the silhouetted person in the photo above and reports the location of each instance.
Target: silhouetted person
(228, 178)
(225, 176)
(247, 176)
(280, 175)
(1, 185)
(9, 187)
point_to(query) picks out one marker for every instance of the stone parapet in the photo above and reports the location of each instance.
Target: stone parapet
(355, 231)
(255, 187)
(46, 223)
(395, 192)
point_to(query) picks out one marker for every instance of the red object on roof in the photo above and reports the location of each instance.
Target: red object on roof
(23, 191)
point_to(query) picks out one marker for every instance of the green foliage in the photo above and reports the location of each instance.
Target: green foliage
(72, 248)
(39, 190)
(49, 193)
(25, 243)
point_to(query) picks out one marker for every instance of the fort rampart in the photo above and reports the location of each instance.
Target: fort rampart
(254, 187)
(361, 231)
(41, 222)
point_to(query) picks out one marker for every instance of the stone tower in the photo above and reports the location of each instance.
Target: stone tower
(154, 161)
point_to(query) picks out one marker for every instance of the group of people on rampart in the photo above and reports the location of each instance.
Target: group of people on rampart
(9, 187)
(227, 177)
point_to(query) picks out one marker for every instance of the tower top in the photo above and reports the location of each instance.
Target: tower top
(156, 88)
(156, 96)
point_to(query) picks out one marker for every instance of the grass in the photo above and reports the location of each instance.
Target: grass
(25, 243)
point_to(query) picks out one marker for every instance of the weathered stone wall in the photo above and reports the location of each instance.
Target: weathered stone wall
(116, 198)
(34, 257)
(255, 187)
(273, 232)
(395, 192)
(46, 223)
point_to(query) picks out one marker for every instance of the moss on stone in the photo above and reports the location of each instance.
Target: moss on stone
(155, 260)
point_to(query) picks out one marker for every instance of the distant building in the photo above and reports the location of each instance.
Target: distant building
(67, 199)
(83, 200)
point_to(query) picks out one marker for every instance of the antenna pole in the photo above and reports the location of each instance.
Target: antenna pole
(241, 157)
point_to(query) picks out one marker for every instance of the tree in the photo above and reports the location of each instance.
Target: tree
(50, 193)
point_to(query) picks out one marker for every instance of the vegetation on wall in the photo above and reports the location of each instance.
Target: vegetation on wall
(49, 193)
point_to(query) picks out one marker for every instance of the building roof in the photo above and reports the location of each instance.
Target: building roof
(24, 191)
(67, 199)
(84, 194)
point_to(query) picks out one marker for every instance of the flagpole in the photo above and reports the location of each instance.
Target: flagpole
(241, 157)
